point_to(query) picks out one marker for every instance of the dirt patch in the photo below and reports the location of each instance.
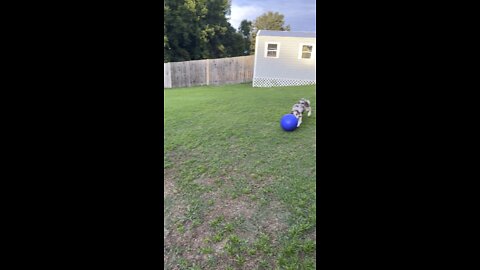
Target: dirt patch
(169, 173)
(234, 208)
(168, 183)
(174, 210)
(272, 220)
(176, 156)
(189, 242)
(193, 239)
(207, 181)
(313, 235)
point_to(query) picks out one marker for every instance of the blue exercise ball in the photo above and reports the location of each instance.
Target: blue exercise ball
(289, 122)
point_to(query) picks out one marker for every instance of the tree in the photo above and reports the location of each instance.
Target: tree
(268, 21)
(182, 29)
(246, 30)
(233, 43)
(199, 29)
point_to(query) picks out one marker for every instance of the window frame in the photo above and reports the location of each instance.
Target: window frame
(300, 51)
(266, 49)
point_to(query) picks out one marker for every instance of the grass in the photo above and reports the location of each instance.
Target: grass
(239, 192)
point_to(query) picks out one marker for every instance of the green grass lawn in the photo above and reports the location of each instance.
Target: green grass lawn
(239, 191)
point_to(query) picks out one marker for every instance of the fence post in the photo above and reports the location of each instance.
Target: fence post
(167, 75)
(208, 72)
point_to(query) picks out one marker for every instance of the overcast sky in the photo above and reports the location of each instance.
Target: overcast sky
(299, 14)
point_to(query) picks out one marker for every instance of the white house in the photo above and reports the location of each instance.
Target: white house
(284, 58)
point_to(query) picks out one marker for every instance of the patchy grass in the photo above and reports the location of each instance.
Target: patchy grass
(239, 192)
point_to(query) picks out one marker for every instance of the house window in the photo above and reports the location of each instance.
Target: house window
(272, 50)
(306, 51)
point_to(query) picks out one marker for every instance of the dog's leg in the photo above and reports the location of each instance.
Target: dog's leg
(309, 108)
(299, 121)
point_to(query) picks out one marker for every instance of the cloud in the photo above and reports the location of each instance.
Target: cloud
(245, 12)
(300, 15)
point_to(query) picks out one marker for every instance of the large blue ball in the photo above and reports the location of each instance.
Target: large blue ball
(289, 122)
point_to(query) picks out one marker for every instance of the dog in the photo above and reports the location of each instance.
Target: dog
(298, 109)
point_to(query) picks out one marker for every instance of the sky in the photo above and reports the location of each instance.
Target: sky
(299, 14)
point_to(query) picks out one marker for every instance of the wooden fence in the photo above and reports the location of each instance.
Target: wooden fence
(208, 72)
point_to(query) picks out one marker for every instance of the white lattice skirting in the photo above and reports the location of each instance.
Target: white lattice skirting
(272, 82)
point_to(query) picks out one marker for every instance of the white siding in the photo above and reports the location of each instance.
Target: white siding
(288, 66)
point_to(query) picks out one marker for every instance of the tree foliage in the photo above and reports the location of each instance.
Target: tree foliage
(199, 29)
(245, 29)
(268, 21)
